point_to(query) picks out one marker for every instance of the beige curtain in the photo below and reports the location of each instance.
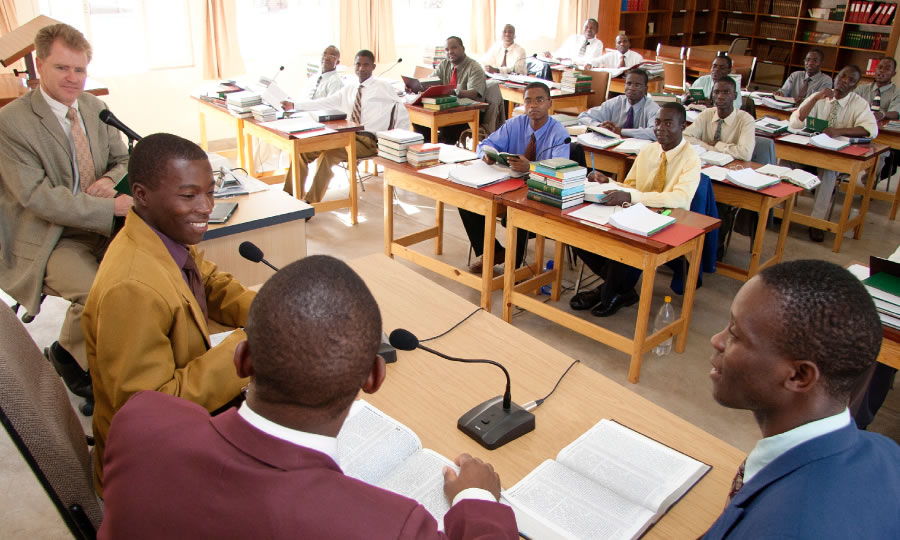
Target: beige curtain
(572, 14)
(368, 24)
(484, 26)
(221, 53)
(8, 20)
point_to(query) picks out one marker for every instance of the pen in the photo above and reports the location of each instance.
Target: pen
(593, 170)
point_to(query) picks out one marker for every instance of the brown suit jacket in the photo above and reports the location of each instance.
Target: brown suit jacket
(37, 197)
(144, 329)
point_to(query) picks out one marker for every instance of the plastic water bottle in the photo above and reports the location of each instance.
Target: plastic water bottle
(664, 317)
(547, 289)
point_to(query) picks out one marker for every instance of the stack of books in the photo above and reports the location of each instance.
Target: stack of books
(771, 126)
(423, 155)
(240, 103)
(575, 81)
(440, 103)
(434, 56)
(394, 143)
(885, 291)
(654, 69)
(558, 182)
(263, 113)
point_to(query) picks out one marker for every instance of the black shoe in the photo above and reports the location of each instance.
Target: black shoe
(816, 235)
(618, 301)
(585, 300)
(77, 380)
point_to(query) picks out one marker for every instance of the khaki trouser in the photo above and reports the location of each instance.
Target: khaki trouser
(365, 147)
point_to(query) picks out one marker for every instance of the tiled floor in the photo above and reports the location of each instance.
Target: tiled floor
(678, 382)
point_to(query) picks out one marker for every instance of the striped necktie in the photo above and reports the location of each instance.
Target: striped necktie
(83, 157)
(316, 87)
(659, 182)
(583, 48)
(876, 100)
(357, 106)
(718, 136)
(622, 61)
(737, 483)
(832, 118)
(804, 89)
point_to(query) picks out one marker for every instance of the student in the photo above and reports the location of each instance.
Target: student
(622, 57)
(802, 84)
(721, 68)
(723, 128)
(848, 114)
(884, 101)
(582, 49)
(666, 174)
(632, 114)
(800, 334)
(532, 136)
(324, 83)
(466, 75)
(270, 468)
(505, 56)
(145, 320)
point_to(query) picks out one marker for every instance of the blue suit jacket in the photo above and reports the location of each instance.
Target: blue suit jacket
(845, 484)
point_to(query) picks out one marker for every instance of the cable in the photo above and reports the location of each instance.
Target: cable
(240, 169)
(452, 328)
(537, 403)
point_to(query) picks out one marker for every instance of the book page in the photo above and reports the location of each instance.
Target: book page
(421, 478)
(555, 501)
(371, 444)
(646, 472)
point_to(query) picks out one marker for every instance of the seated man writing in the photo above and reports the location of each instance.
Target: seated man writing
(665, 174)
(801, 334)
(145, 321)
(270, 468)
(720, 69)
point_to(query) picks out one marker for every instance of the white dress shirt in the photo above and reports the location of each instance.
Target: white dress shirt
(331, 82)
(738, 136)
(572, 47)
(379, 104)
(613, 59)
(705, 83)
(515, 58)
(60, 111)
(854, 112)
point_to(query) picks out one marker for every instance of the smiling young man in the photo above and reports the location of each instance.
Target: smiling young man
(720, 68)
(505, 56)
(583, 49)
(532, 136)
(802, 84)
(622, 57)
(800, 335)
(145, 321)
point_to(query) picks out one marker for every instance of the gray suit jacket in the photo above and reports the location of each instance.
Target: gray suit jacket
(36, 188)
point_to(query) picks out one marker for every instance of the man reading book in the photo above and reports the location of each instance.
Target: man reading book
(802, 84)
(799, 336)
(466, 76)
(665, 174)
(632, 114)
(270, 469)
(721, 68)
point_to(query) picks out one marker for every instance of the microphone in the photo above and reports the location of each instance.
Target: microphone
(108, 118)
(492, 424)
(567, 140)
(277, 73)
(390, 68)
(265, 81)
(252, 253)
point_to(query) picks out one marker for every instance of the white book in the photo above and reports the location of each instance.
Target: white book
(595, 213)
(824, 141)
(771, 125)
(476, 174)
(605, 132)
(775, 104)
(750, 179)
(640, 220)
(400, 136)
(632, 146)
(439, 171)
(611, 483)
(293, 125)
(691, 115)
(596, 192)
(716, 158)
(596, 140)
(455, 154)
(715, 172)
(773, 170)
(699, 150)
(796, 139)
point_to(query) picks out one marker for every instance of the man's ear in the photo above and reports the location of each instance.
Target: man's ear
(804, 377)
(243, 365)
(139, 194)
(376, 376)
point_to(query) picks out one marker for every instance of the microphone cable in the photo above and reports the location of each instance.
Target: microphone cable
(537, 403)
(452, 328)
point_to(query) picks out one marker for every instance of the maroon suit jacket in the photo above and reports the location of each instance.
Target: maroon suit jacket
(172, 471)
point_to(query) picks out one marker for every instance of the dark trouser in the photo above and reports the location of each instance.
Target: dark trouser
(474, 225)
(539, 69)
(446, 134)
(618, 278)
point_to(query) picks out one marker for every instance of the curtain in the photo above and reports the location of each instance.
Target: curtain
(368, 24)
(572, 14)
(484, 25)
(221, 53)
(8, 20)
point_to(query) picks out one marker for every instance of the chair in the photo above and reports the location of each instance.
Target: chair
(669, 52)
(672, 60)
(738, 46)
(744, 66)
(422, 71)
(35, 410)
(600, 86)
(703, 56)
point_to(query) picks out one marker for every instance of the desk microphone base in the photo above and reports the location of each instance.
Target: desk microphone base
(492, 426)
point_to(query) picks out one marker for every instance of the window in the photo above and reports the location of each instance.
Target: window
(286, 32)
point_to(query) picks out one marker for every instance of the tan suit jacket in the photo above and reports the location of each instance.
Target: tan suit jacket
(37, 197)
(144, 329)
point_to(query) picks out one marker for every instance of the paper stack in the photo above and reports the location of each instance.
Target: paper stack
(575, 81)
(240, 103)
(716, 158)
(434, 56)
(640, 220)
(476, 174)
(558, 182)
(423, 155)
(771, 125)
(565, 119)
(394, 143)
(263, 113)
(885, 291)
(824, 141)
(750, 179)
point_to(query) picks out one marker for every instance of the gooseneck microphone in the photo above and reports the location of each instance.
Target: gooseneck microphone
(252, 253)
(493, 423)
(108, 118)
(567, 140)
(390, 67)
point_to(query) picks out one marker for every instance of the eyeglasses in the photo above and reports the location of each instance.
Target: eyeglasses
(536, 101)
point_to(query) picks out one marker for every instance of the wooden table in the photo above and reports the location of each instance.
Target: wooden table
(271, 219)
(639, 252)
(608, 160)
(294, 145)
(434, 120)
(429, 394)
(12, 87)
(773, 112)
(890, 348)
(483, 203)
(220, 111)
(515, 95)
(841, 163)
(891, 138)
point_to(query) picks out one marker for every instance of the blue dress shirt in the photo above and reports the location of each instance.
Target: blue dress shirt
(514, 135)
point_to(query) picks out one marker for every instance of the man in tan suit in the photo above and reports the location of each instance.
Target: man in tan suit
(145, 321)
(58, 169)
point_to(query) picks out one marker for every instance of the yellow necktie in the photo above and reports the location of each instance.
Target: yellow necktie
(83, 157)
(659, 183)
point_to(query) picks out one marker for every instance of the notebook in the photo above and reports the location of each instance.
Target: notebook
(640, 220)
(750, 179)
(477, 174)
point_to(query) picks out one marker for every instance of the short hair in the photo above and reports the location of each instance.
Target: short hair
(71, 37)
(366, 53)
(338, 51)
(150, 158)
(729, 81)
(678, 108)
(505, 26)
(727, 58)
(596, 24)
(537, 84)
(313, 332)
(891, 60)
(854, 67)
(825, 315)
(457, 38)
(817, 51)
(640, 73)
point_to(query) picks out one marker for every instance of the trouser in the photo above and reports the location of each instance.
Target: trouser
(474, 225)
(618, 278)
(70, 273)
(446, 134)
(366, 147)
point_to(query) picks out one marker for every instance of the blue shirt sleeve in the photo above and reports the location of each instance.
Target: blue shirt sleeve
(500, 139)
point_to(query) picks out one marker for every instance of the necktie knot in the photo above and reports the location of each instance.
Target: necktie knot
(71, 114)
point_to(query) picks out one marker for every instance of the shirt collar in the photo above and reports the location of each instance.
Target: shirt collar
(769, 449)
(529, 130)
(844, 100)
(321, 443)
(882, 89)
(58, 108)
(671, 153)
(179, 252)
(730, 119)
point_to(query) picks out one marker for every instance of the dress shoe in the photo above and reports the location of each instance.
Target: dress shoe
(585, 300)
(618, 301)
(478, 266)
(816, 235)
(77, 380)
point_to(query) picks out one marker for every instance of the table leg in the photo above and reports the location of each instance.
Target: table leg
(557, 268)
(643, 319)
(296, 182)
(242, 159)
(474, 125)
(388, 215)
(487, 272)
(439, 223)
(509, 109)
(434, 131)
(251, 167)
(871, 179)
(690, 288)
(895, 204)
(509, 278)
(204, 143)
(756, 249)
(351, 162)
(785, 225)
(845, 208)
(538, 256)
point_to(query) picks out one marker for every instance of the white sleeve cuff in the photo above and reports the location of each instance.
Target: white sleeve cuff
(474, 493)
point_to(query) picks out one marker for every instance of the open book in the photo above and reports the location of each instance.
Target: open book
(797, 177)
(640, 220)
(612, 482)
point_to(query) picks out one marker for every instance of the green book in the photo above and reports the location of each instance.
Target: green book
(817, 125)
(884, 287)
(499, 157)
(553, 190)
(123, 187)
(441, 99)
(697, 94)
(556, 163)
(439, 106)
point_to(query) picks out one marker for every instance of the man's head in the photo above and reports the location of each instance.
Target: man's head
(537, 102)
(636, 81)
(331, 57)
(724, 93)
(622, 43)
(846, 80)
(172, 185)
(885, 71)
(456, 51)
(590, 28)
(364, 64)
(812, 63)
(509, 35)
(669, 125)
(62, 54)
(800, 335)
(721, 67)
(312, 340)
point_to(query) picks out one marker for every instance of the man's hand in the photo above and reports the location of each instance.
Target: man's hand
(826, 93)
(123, 205)
(612, 127)
(616, 198)
(587, 66)
(102, 187)
(597, 176)
(487, 159)
(519, 163)
(491, 69)
(879, 116)
(287, 105)
(831, 132)
(473, 473)
(547, 54)
(778, 93)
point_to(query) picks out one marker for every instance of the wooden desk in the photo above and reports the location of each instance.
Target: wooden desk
(607, 159)
(12, 87)
(515, 95)
(220, 111)
(448, 117)
(644, 253)
(764, 110)
(271, 219)
(345, 137)
(890, 348)
(429, 394)
(841, 163)
(891, 138)
(403, 176)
